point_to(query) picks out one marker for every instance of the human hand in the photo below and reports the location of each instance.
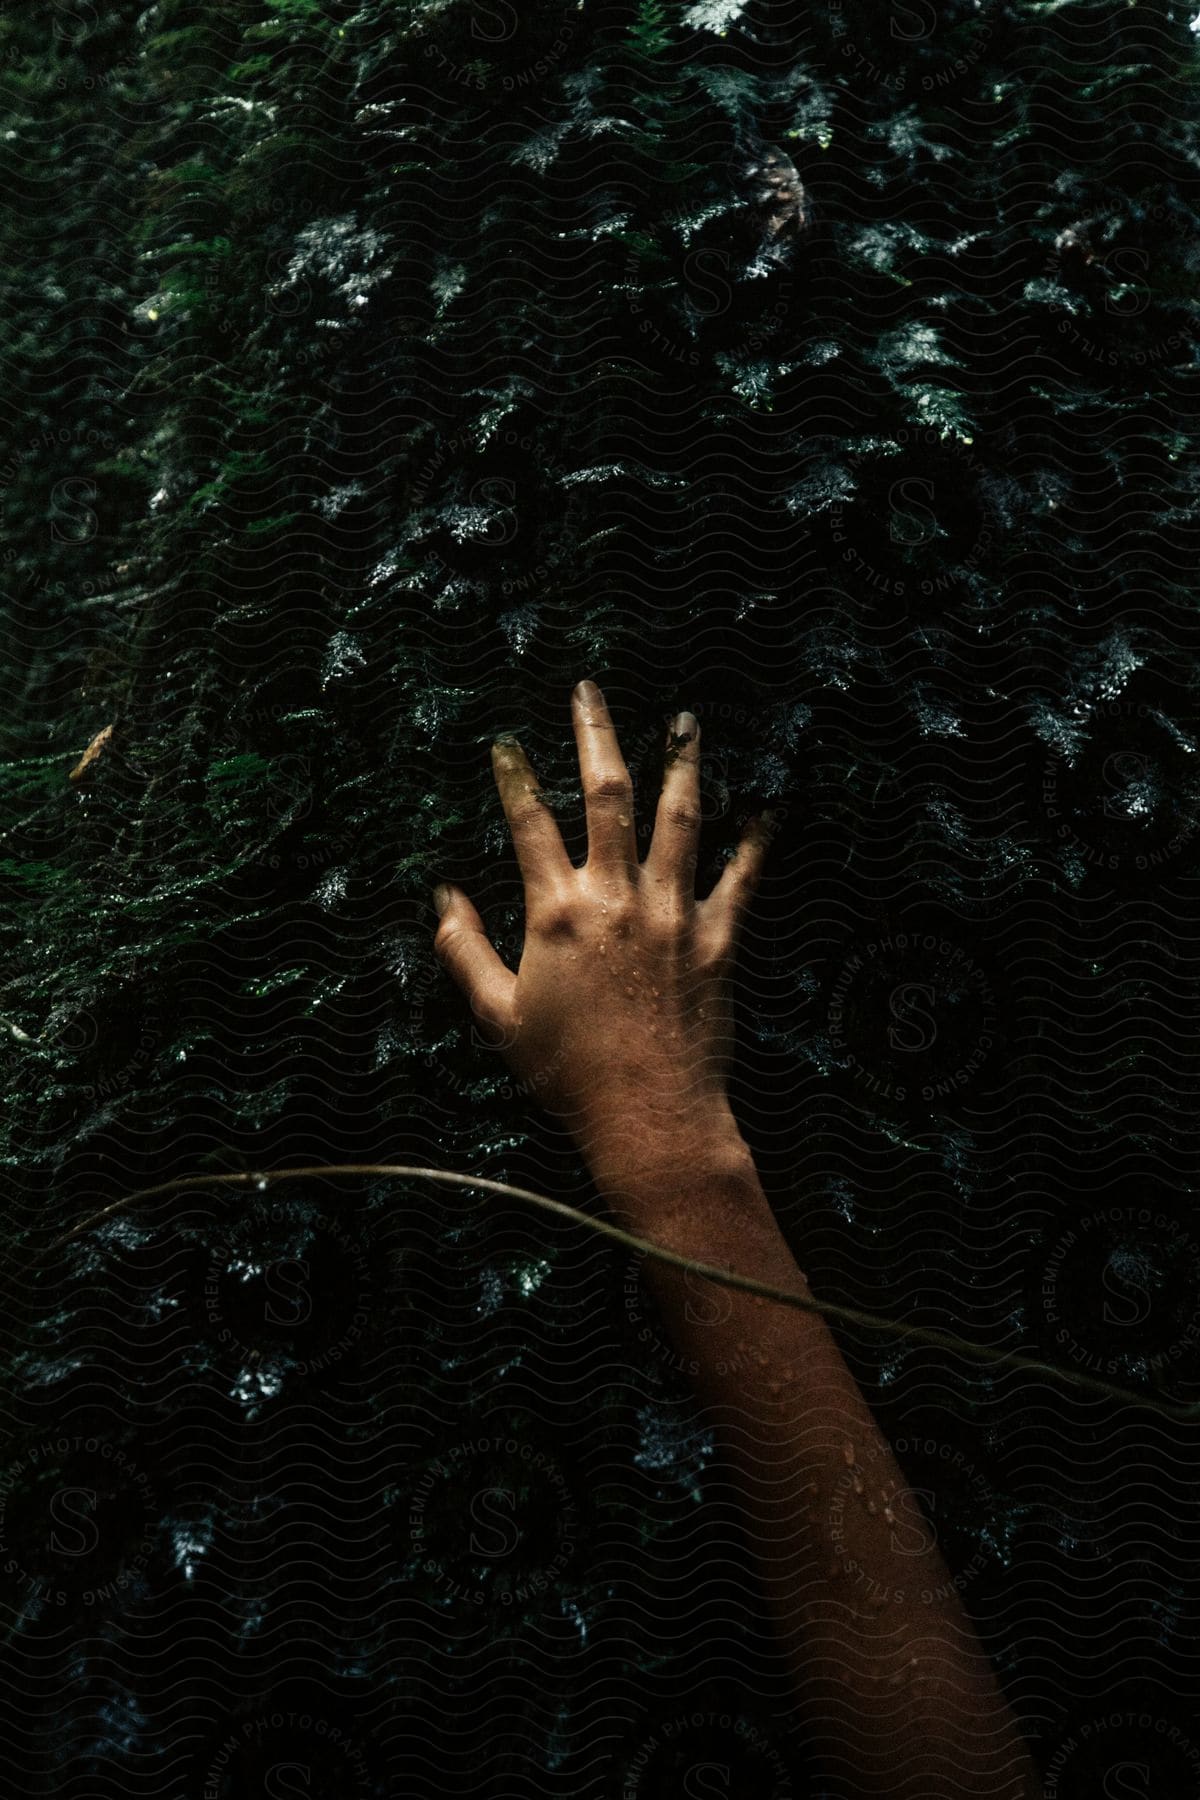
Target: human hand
(618, 1018)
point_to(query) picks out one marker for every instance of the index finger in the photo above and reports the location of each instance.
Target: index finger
(535, 834)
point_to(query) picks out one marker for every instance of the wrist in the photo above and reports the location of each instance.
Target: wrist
(652, 1169)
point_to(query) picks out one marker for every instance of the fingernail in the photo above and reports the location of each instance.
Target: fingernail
(441, 898)
(588, 694)
(684, 725)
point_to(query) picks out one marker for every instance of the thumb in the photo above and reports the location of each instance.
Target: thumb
(462, 945)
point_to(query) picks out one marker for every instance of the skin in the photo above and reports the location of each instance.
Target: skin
(619, 1018)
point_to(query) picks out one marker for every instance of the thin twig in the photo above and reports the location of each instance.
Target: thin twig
(848, 1315)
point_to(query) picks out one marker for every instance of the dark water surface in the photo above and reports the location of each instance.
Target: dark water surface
(372, 374)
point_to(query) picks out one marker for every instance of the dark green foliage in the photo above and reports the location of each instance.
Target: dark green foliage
(371, 373)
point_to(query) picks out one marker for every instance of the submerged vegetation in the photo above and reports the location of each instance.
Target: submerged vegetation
(371, 372)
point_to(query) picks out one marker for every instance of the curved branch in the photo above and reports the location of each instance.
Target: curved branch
(830, 1309)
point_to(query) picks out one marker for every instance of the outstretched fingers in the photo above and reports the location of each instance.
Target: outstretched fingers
(607, 787)
(462, 945)
(535, 834)
(722, 913)
(674, 847)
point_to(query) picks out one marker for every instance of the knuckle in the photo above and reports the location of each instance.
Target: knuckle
(662, 940)
(554, 916)
(709, 967)
(666, 923)
(714, 948)
(681, 815)
(611, 786)
(526, 813)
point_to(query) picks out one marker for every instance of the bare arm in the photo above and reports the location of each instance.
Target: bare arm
(619, 1015)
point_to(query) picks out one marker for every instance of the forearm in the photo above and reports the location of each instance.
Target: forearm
(896, 1694)
(621, 1011)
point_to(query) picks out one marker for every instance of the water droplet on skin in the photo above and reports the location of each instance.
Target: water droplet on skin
(622, 819)
(629, 990)
(848, 1455)
(261, 1184)
(871, 1507)
(889, 1515)
(858, 1484)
